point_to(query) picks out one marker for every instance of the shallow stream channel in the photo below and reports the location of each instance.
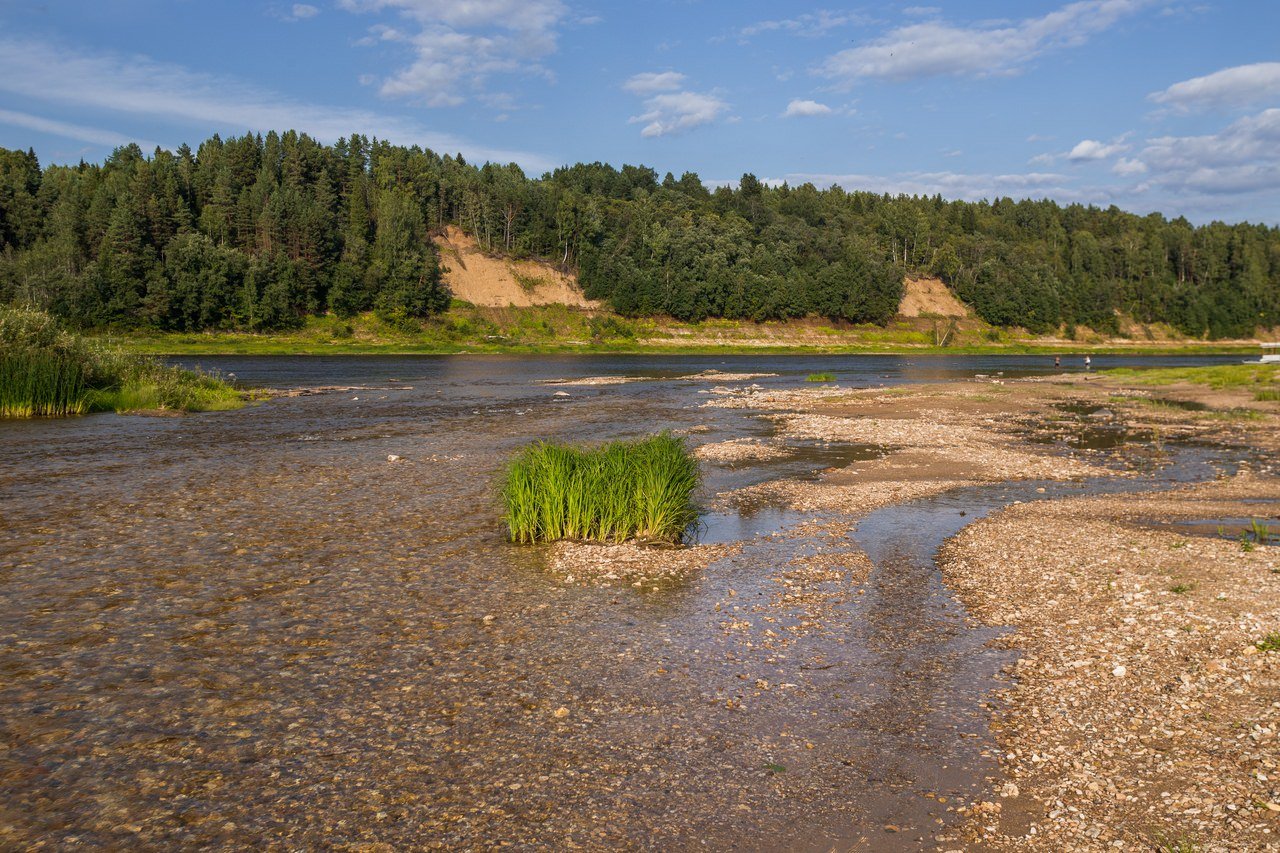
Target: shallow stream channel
(252, 629)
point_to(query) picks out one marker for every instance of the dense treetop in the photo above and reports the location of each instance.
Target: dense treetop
(256, 232)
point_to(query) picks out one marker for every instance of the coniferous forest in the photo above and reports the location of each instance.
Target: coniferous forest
(257, 232)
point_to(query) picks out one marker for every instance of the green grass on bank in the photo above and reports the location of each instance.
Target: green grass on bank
(46, 371)
(624, 490)
(1262, 379)
(467, 328)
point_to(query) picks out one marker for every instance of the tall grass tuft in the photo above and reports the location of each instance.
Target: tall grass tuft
(640, 490)
(820, 377)
(46, 371)
(35, 383)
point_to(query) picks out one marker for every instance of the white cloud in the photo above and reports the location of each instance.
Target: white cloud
(806, 108)
(460, 43)
(297, 12)
(669, 108)
(66, 130)
(1092, 149)
(675, 112)
(1084, 151)
(1127, 167)
(1242, 158)
(934, 48)
(1238, 86)
(137, 86)
(958, 185)
(649, 82)
(809, 25)
(516, 15)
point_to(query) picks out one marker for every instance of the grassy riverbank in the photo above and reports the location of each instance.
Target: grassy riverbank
(1262, 378)
(467, 328)
(46, 371)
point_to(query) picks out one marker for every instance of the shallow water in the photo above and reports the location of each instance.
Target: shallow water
(250, 628)
(1257, 529)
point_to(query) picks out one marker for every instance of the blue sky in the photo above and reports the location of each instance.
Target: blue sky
(1147, 104)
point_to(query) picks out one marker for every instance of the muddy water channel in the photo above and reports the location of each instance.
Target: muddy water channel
(251, 629)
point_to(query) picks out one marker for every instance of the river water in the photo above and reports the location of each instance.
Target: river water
(250, 629)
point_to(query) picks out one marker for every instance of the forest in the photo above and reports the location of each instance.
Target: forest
(256, 232)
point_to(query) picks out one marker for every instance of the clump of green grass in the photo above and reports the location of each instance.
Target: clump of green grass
(1166, 843)
(1269, 643)
(47, 371)
(820, 377)
(623, 490)
(153, 386)
(1182, 588)
(1260, 532)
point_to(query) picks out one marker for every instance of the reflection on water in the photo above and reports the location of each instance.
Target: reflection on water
(250, 628)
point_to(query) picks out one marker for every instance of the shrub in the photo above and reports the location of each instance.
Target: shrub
(611, 328)
(623, 490)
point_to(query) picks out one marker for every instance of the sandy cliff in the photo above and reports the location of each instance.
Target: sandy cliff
(495, 282)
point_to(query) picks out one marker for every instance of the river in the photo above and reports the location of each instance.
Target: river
(251, 629)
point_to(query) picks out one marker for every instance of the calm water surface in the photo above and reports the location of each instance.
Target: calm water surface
(247, 628)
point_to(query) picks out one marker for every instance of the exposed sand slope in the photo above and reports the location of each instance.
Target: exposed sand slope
(930, 296)
(491, 282)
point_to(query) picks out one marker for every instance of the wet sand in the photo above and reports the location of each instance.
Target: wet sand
(249, 628)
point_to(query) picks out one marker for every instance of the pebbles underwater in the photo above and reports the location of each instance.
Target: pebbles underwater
(213, 634)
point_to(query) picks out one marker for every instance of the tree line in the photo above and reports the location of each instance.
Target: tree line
(257, 232)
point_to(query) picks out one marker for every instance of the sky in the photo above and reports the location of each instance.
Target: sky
(1151, 105)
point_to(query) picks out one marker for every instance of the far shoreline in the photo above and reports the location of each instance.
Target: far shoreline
(231, 345)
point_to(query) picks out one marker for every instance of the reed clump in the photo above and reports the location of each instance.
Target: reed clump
(47, 371)
(820, 377)
(624, 490)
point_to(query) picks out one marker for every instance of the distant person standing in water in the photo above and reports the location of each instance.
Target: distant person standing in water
(1057, 362)
(1087, 362)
